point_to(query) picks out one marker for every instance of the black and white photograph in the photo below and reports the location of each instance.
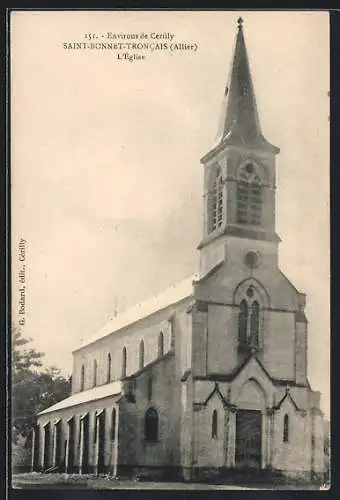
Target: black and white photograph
(170, 254)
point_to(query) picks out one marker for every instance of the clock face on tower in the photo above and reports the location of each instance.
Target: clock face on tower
(252, 259)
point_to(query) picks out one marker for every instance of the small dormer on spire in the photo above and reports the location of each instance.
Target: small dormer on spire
(240, 123)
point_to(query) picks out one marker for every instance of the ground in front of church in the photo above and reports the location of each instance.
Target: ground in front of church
(73, 481)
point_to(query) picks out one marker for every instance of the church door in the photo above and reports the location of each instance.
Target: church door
(248, 439)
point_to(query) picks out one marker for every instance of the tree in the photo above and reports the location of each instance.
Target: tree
(34, 388)
(23, 360)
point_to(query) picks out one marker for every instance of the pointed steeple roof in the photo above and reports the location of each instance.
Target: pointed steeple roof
(240, 124)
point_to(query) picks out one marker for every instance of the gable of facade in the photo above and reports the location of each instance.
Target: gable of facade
(280, 335)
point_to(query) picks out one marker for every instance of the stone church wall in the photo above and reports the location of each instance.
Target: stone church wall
(209, 451)
(300, 352)
(279, 345)
(222, 342)
(182, 326)
(147, 329)
(135, 453)
(292, 456)
(318, 443)
(186, 425)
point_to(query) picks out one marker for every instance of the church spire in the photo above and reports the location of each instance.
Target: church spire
(239, 171)
(240, 124)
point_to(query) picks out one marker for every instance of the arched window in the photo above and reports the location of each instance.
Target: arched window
(249, 319)
(286, 429)
(171, 332)
(151, 425)
(254, 323)
(249, 196)
(108, 374)
(214, 425)
(95, 428)
(82, 377)
(160, 344)
(216, 201)
(95, 367)
(113, 424)
(124, 362)
(150, 388)
(242, 322)
(141, 354)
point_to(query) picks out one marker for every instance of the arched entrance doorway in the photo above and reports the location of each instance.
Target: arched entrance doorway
(249, 439)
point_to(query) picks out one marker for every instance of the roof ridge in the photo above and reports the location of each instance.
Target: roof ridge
(180, 290)
(81, 397)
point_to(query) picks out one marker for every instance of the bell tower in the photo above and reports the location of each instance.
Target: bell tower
(239, 172)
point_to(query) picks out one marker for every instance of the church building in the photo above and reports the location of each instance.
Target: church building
(209, 377)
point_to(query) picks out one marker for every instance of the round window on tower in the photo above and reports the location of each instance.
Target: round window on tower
(252, 260)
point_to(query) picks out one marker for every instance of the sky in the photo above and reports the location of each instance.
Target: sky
(106, 175)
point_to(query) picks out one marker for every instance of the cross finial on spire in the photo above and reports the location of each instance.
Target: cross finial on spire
(240, 22)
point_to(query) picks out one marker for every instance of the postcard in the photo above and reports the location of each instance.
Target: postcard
(170, 249)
